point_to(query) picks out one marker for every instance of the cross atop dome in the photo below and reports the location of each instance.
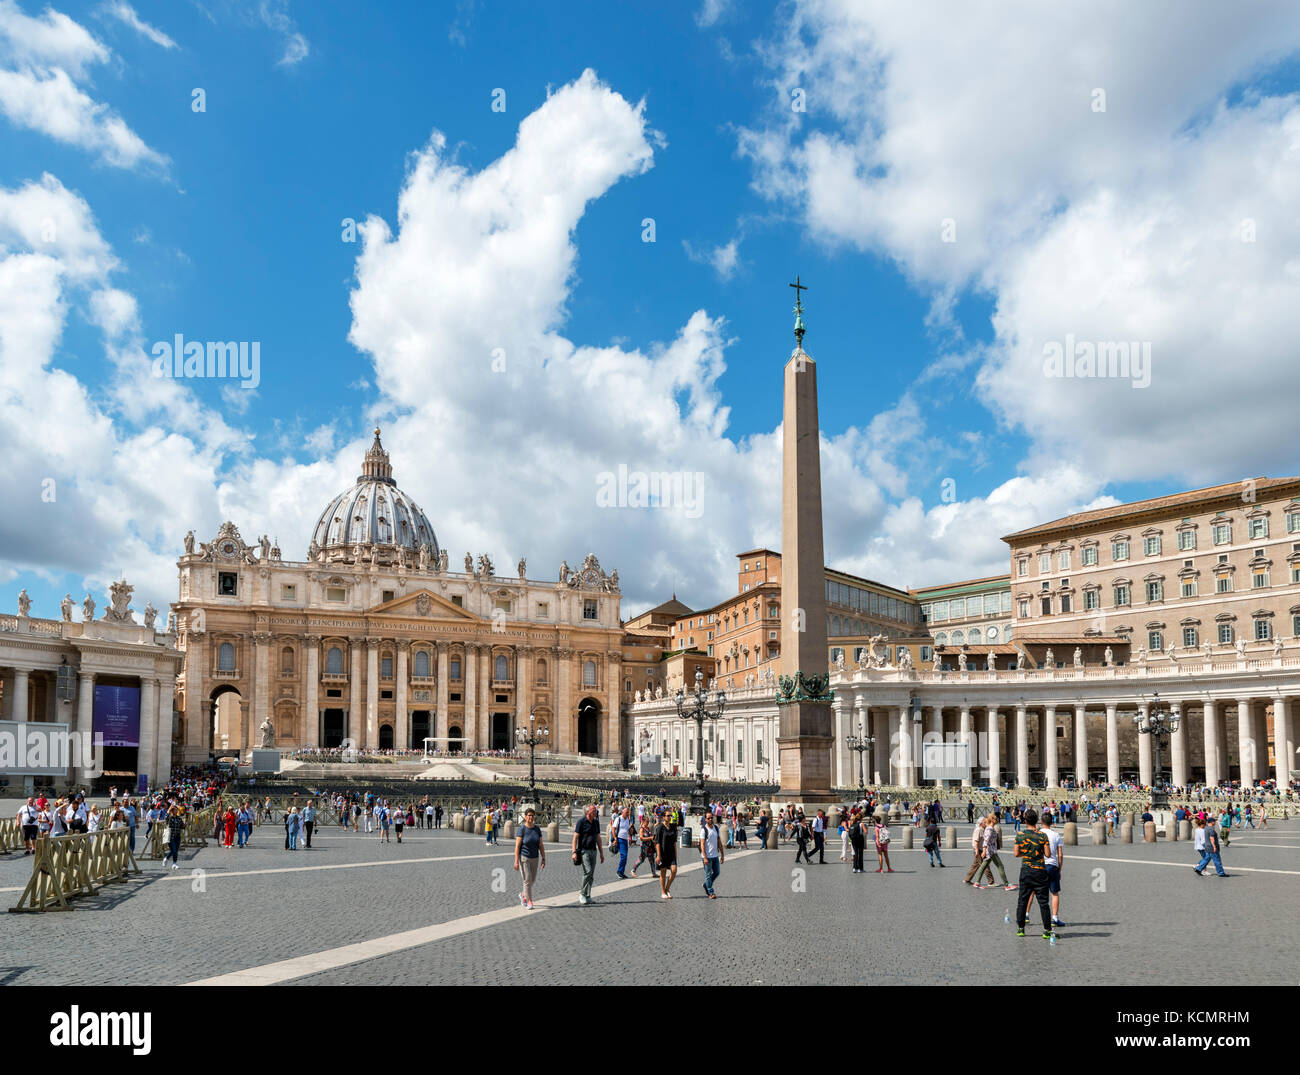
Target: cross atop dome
(376, 467)
(799, 289)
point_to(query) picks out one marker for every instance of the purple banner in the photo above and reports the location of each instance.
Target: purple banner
(117, 715)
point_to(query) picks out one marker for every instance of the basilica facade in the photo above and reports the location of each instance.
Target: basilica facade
(374, 642)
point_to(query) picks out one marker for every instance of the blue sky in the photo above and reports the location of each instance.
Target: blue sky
(227, 224)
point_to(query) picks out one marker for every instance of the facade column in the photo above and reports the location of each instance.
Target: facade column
(936, 729)
(1210, 734)
(1112, 743)
(1221, 726)
(146, 752)
(564, 732)
(470, 672)
(443, 688)
(356, 729)
(194, 691)
(1282, 744)
(1022, 747)
(1146, 774)
(85, 727)
(483, 736)
(1080, 743)
(1178, 748)
(261, 690)
(994, 749)
(1246, 745)
(1051, 760)
(612, 740)
(522, 693)
(402, 733)
(311, 705)
(877, 728)
(894, 776)
(166, 707)
(22, 678)
(1261, 742)
(372, 693)
(972, 752)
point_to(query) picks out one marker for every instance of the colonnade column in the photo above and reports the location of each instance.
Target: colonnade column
(1283, 746)
(994, 749)
(895, 777)
(1246, 745)
(880, 748)
(1210, 733)
(147, 750)
(1146, 777)
(1051, 764)
(356, 729)
(1022, 747)
(402, 731)
(1178, 748)
(311, 705)
(22, 677)
(936, 730)
(972, 752)
(86, 724)
(1080, 743)
(1112, 743)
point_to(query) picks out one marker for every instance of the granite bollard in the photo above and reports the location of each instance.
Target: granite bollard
(1149, 832)
(1126, 832)
(1070, 834)
(1098, 833)
(950, 838)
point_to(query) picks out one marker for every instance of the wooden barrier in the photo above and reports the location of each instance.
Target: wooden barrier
(65, 867)
(11, 835)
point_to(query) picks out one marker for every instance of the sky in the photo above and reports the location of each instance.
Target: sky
(543, 251)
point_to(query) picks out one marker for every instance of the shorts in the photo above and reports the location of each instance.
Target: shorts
(30, 832)
(1054, 879)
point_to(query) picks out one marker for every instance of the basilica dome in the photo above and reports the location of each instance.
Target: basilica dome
(374, 512)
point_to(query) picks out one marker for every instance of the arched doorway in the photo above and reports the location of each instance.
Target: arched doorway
(385, 737)
(225, 725)
(501, 731)
(589, 726)
(454, 734)
(419, 728)
(333, 728)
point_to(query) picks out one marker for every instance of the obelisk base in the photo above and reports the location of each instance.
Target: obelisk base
(804, 742)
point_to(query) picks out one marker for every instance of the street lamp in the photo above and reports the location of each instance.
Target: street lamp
(860, 744)
(531, 738)
(696, 707)
(1160, 725)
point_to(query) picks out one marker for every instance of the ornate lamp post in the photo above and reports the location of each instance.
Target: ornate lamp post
(530, 739)
(860, 744)
(696, 707)
(1160, 724)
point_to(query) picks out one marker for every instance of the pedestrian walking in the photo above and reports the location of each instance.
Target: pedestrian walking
(819, 837)
(1052, 864)
(1031, 849)
(801, 834)
(399, 822)
(977, 845)
(992, 843)
(857, 840)
(292, 826)
(175, 824)
(882, 844)
(622, 831)
(385, 823)
(586, 846)
(931, 843)
(712, 853)
(487, 827)
(647, 839)
(1212, 851)
(530, 855)
(666, 853)
(228, 822)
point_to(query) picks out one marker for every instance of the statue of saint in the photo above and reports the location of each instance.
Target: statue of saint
(24, 603)
(1110, 657)
(66, 606)
(1078, 656)
(268, 733)
(189, 543)
(150, 614)
(88, 609)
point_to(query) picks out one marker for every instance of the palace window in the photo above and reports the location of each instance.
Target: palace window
(957, 609)
(1022, 566)
(335, 593)
(958, 638)
(1225, 633)
(1121, 595)
(458, 600)
(228, 583)
(1089, 555)
(1091, 599)
(941, 639)
(500, 669)
(1044, 562)
(453, 671)
(225, 657)
(1191, 637)
(421, 668)
(1046, 604)
(1188, 588)
(1295, 572)
(1221, 533)
(387, 595)
(1259, 579)
(1263, 629)
(589, 609)
(1186, 540)
(1065, 602)
(1257, 528)
(1155, 640)
(541, 672)
(1155, 590)
(385, 667)
(1223, 584)
(975, 637)
(1292, 521)
(589, 673)
(543, 610)
(1063, 560)
(1024, 608)
(334, 661)
(1119, 550)
(927, 654)
(1295, 625)
(1151, 546)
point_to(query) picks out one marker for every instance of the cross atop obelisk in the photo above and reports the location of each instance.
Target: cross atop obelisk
(803, 693)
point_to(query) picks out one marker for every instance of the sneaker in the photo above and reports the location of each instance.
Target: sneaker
(978, 885)
(1011, 888)
(583, 901)
(1020, 933)
(1056, 921)
(532, 906)
(523, 902)
(663, 895)
(1047, 935)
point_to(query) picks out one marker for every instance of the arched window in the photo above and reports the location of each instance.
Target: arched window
(541, 670)
(421, 664)
(975, 637)
(941, 639)
(992, 634)
(286, 660)
(835, 626)
(225, 657)
(334, 661)
(958, 638)
(500, 669)
(588, 673)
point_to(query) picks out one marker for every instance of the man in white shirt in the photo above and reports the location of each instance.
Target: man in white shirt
(819, 837)
(711, 852)
(1052, 861)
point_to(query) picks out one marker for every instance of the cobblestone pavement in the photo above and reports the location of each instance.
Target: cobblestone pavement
(1134, 914)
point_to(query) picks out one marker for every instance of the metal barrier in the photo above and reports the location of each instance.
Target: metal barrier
(65, 867)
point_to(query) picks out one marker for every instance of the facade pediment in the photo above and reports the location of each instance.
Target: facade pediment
(424, 604)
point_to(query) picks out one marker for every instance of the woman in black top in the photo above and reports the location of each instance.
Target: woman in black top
(931, 844)
(858, 839)
(666, 855)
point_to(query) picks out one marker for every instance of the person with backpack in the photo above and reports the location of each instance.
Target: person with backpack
(712, 853)
(1031, 849)
(801, 835)
(882, 844)
(931, 843)
(530, 855)
(586, 846)
(647, 838)
(1212, 851)
(858, 840)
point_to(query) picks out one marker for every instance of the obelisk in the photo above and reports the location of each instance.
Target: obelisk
(803, 692)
